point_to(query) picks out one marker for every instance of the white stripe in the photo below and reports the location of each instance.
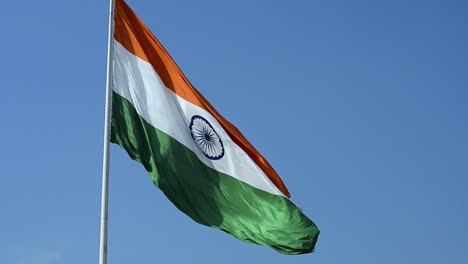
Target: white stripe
(137, 81)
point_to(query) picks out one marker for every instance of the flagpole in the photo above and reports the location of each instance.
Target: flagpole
(105, 159)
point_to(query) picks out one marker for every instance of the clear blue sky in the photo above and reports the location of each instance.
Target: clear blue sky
(361, 106)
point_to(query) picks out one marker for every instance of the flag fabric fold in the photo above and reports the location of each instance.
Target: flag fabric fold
(200, 161)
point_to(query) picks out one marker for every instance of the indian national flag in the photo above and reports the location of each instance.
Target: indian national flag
(201, 162)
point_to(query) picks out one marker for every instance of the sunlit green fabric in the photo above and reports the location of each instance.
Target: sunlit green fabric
(207, 196)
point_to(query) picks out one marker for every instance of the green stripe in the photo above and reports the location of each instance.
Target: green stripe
(207, 196)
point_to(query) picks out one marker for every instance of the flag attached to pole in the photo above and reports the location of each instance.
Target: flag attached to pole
(201, 162)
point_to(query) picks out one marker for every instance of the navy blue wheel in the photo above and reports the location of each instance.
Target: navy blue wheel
(206, 138)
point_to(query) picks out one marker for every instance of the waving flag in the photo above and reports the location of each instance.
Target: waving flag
(201, 162)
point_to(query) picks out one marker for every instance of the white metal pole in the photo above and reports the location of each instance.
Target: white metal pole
(105, 159)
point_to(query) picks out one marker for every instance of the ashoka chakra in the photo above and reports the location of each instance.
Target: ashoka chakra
(206, 138)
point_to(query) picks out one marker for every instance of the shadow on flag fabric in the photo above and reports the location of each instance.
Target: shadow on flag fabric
(201, 162)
